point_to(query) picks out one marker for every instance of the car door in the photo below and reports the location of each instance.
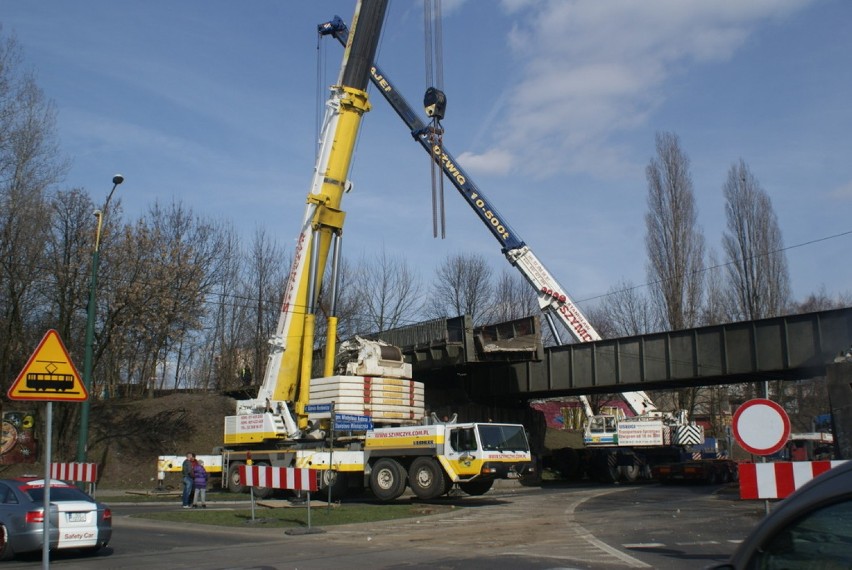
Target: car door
(462, 451)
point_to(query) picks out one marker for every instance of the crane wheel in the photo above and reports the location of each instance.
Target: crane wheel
(334, 484)
(426, 478)
(630, 472)
(387, 479)
(476, 488)
(235, 484)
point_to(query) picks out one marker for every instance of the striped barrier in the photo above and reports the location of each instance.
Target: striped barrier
(82, 472)
(302, 479)
(778, 480)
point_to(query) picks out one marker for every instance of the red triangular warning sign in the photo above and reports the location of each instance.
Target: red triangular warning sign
(49, 375)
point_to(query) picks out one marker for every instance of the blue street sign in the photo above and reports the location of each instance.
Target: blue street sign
(351, 418)
(353, 426)
(349, 422)
(317, 408)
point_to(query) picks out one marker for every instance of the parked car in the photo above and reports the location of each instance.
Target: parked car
(77, 521)
(812, 528)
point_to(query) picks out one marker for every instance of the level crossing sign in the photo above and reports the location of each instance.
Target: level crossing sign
(49, 375)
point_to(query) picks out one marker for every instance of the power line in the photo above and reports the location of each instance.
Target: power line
(720, 265)
(249, 302)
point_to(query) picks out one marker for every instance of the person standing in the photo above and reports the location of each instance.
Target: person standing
(199, 480)
(187, 474)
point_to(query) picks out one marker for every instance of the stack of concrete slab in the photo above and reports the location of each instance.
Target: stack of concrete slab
(385, 400)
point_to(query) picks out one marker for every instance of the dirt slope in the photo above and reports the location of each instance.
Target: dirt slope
(126, 436)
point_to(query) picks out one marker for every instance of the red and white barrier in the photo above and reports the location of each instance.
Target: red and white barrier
(83, 472)
(778, 480)
(302, 479)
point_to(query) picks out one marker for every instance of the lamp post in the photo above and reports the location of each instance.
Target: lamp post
(82, 441)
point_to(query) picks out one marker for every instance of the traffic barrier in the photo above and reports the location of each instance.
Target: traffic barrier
(778, 480)
(78, 472)
(301, 479)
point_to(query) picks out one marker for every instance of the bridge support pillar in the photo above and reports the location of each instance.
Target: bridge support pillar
(839, 377)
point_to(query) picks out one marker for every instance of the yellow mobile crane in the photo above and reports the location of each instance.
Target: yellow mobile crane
(279, 409)
(330, 423)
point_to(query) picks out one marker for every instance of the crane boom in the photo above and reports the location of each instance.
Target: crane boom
(288, 370)
(365, 425)
(553, 300)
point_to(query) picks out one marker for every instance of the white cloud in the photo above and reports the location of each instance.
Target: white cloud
(450, 6)
(590, 70)
(843, 192)
(494, 161)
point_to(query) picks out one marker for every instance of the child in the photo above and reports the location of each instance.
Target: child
(199, 482)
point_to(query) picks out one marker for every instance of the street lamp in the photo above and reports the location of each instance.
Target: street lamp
(82, 441)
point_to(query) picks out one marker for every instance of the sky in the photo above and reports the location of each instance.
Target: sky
(553, 107)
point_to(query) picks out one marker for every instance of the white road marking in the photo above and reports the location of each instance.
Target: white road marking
(584, 534)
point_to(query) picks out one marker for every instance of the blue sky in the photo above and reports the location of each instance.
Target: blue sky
(552, 108)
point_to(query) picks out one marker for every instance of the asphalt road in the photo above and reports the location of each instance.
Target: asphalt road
(576, 526)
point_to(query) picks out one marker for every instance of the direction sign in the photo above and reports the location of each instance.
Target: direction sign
(349, 422)
(761, 427)
(351, 418)
(353, 426)
(49, 375)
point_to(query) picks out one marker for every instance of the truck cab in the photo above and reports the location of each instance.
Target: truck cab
(430, 459)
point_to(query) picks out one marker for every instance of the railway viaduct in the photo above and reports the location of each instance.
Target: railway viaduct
(506, 362)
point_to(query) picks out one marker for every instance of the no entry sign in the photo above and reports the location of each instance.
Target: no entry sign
(761, 427)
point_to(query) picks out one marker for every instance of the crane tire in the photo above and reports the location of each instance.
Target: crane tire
(235, 485)
(426, 478)
(476, 488)
(387, 479)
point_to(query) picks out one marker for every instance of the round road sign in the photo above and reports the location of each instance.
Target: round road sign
(761, 427)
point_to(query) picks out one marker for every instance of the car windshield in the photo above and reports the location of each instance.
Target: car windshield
(57, 494)
(602, 424)
(495, 437)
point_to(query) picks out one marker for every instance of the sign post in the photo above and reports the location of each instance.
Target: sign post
(48, 376)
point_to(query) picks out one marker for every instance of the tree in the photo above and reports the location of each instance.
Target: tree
(717, 308)
(462, 286)
(758, 280)
(514, 298)
(822, 301)
(228, 322)
(68, 261)
(389, 292)
(673, 240)
(168, 259)
(29, 165)
(675, 244)
(264, 282)
(625, 311)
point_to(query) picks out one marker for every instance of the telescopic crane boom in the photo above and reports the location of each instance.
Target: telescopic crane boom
(554, 302)
(283, 395)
